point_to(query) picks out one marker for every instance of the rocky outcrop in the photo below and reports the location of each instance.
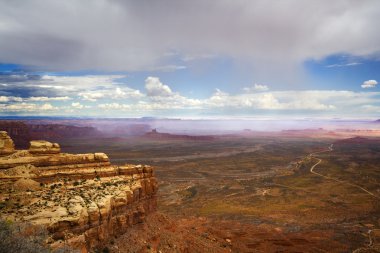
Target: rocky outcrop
(6, 144)
(44, 147)
(81, 199)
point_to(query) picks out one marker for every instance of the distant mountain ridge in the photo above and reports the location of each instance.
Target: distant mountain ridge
(357, 140)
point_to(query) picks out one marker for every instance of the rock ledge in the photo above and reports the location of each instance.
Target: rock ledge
(81, 199)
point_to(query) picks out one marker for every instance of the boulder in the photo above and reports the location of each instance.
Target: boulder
(101, 157)
(44, 147)
(7, 146)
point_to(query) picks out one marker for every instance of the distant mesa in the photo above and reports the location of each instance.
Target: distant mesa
(127, 130)
(357, 140)
(81, 199)
(154, 134)
(22, 133)
(60, 131)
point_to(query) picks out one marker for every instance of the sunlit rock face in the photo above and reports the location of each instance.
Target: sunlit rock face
(6, 144)
(81, 199)
(44, 147)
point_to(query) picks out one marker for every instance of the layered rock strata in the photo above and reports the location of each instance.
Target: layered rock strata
(6, 144)
(81, 199)
(44, 147)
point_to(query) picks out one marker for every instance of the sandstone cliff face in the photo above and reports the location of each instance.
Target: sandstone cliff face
(44, 147)
(6, 144)
(82, 199)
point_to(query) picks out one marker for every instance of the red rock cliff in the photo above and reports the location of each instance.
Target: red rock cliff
(81, 199)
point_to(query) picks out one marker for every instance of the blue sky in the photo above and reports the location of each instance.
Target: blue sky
(186, 59)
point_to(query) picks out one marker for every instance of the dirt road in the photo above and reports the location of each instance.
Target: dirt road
(312, 155)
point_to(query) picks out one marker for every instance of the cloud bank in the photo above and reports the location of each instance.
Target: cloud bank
(95, 95)
(167, 34)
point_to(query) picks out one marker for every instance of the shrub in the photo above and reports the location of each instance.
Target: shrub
(24, 238)
(3, 205)
(21, 238)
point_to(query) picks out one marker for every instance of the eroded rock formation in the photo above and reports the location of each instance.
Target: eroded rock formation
(81, 199)
(44, 147)
(6, 144)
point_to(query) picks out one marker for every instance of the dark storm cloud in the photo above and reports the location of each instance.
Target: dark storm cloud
(145, 35)
(36, 49)
(60, 87)
(26, 92)
(15, 77)
(25, 85)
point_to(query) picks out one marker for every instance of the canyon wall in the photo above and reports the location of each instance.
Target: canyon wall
(82, 199)
(23, 132)
(18, 131)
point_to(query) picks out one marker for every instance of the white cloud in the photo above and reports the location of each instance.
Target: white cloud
(76, 82)
(91, 95)
(312, 101)
(125, 93)
(50, 87)
(287, 100)
(114, 106)
(27, 107)
(48, 98)
(350, 64)
(113, 96)
(47, 107)
(5, 99)
(77, 105)
(57, 87)
(155, 88)
(256, 87)
(218, 99)
(117, 93)
(369, 84)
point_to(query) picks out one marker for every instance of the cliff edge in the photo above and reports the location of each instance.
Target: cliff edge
(82, 199)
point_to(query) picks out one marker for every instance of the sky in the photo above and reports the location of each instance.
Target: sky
(190, 59)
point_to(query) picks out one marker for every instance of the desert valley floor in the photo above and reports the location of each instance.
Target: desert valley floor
(262, 193)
